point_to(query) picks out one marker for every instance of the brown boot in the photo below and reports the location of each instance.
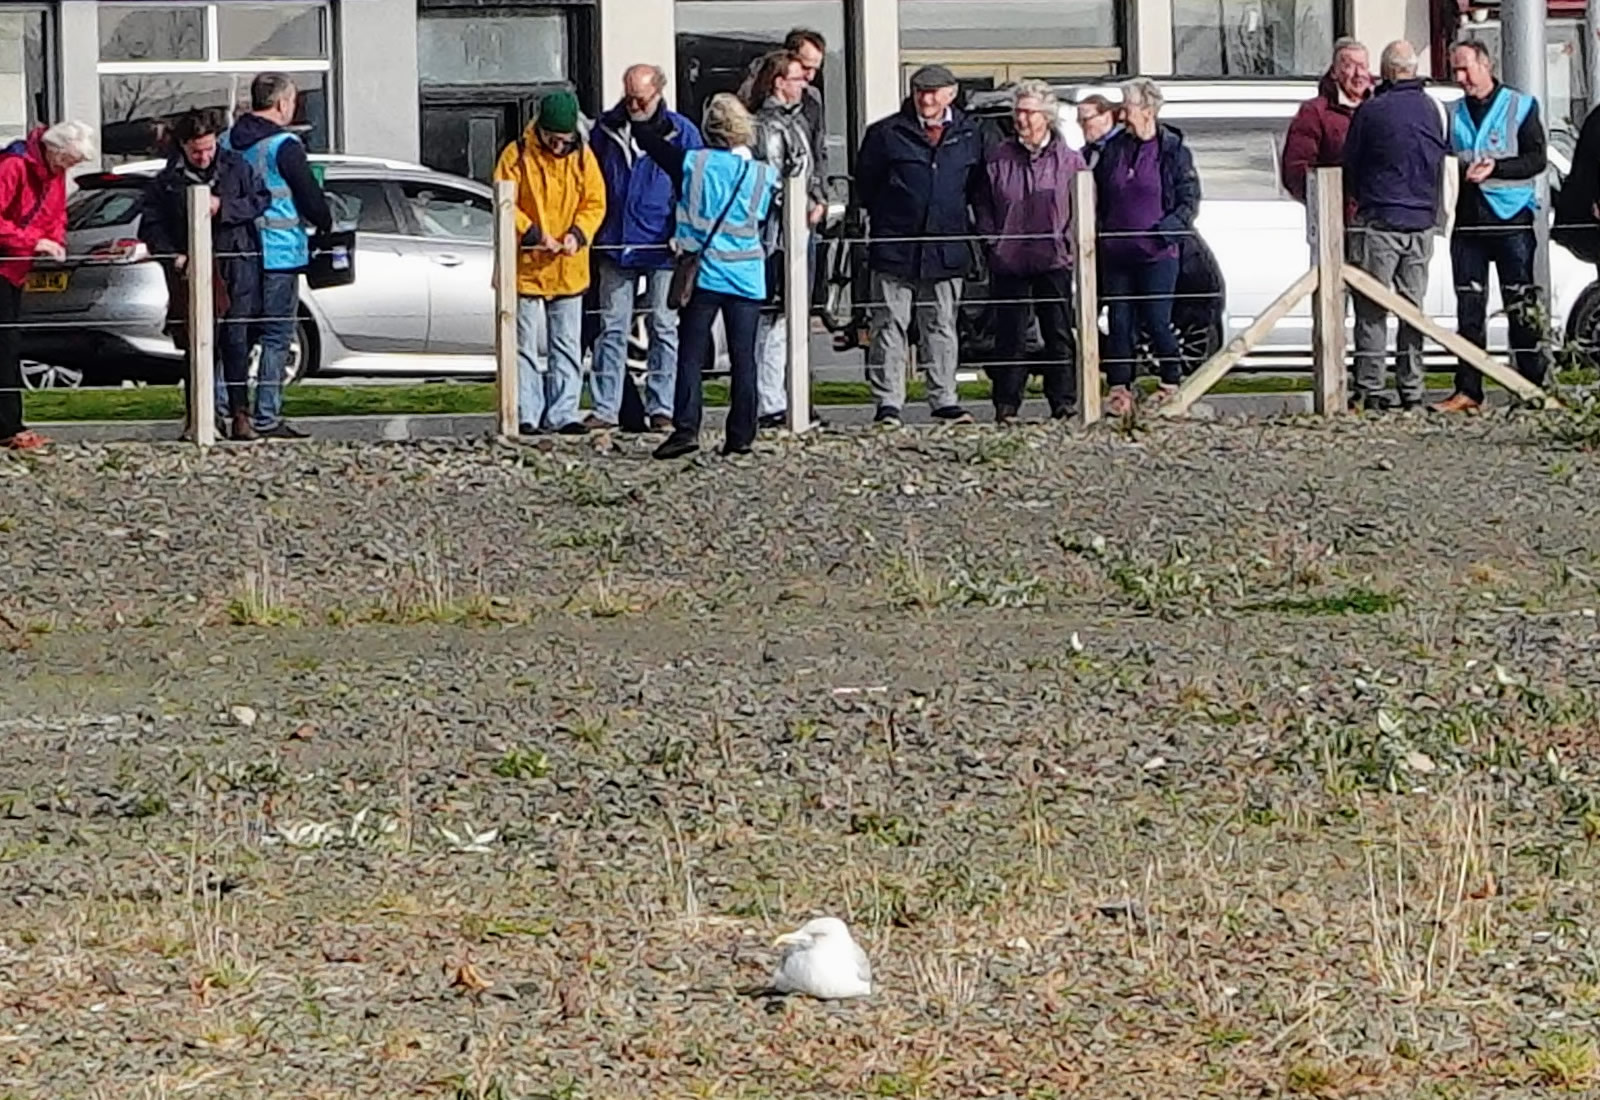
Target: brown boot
(242, 431)
(1456, 403)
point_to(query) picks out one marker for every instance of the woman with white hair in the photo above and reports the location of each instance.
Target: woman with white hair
(1148, 194)
(1024, 207)
(724, 196)
(33, 225)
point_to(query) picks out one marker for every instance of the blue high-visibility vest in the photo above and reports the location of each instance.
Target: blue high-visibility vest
(1495, 138)
(284, 244)
(735, 260)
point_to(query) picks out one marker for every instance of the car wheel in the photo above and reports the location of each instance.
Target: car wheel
(1583, 325)
(302, 355)
(43, 376)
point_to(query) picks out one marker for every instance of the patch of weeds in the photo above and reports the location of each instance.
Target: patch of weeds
(890, 830)
(1223, 1036)
(1310, 1079)
(588, 487)
(259, 601)
(479, 928)
(590, 729)
(1168, 584)
(602, 598)
(1577, 422)
(1351, 601)
(912, 584)
(522, 763)
(257, 776)
(1566, 1062)
(992, 449)
(1002, 590)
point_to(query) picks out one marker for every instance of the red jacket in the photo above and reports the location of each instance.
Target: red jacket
(33, 207)
(1316, 139)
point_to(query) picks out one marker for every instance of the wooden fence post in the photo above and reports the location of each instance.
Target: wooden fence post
(1329, 392)
(202, 320)
(797, 301)
(505, 305)
(1087, 298)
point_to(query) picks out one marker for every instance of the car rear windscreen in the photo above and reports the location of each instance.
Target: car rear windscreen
(104, 208)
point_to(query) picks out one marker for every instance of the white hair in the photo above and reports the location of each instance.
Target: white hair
(1036, 89)
(73, 140)
(1141, 91)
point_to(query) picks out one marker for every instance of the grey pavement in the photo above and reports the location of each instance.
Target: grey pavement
(399, 428)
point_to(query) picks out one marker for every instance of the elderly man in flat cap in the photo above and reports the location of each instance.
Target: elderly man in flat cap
(914, 175)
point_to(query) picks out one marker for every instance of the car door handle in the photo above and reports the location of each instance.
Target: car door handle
(448, 259)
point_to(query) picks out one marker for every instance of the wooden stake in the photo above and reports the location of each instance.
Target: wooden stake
(797, 302)
(1087, 298)
(1326, 200)
(505, 304)
(1198, 384)
(202, 321)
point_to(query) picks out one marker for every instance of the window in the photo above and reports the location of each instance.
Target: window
(482, 49)
(719, 39)
(362, 205)
(26, 69)
(104, 208)
(1006, 24)
(1236, 159)
(444, 213)
(1262, 38)
(157, 61)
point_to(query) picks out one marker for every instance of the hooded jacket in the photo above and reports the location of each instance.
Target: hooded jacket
(293, 166)
(33, 207)
(556, 195)
(235, 239)
(640, 202)
(1025, 206)
(914, 189)
(1316, 139)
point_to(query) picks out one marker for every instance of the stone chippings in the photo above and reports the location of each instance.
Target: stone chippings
(1209, 760)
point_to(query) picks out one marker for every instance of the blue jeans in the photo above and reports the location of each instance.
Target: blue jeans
(1140, 298)
(1471, 252)
(547, 394)
(615, 287)
(739, 319)
(280, 309)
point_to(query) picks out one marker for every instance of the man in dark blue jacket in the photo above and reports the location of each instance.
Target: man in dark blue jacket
(632, 244)
(238, 198)
(1393, 171)
(915, 174)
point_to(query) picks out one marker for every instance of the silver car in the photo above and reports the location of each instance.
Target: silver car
(422, 304)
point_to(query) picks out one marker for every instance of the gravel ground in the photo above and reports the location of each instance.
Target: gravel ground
(1214, 760)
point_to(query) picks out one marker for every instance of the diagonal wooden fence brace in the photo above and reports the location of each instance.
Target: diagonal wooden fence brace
(1198, 384)
(1468, 352)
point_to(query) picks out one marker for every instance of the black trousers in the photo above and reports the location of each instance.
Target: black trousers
(696, 349)
(1020, 297)
(10, 360)
(1511, 253)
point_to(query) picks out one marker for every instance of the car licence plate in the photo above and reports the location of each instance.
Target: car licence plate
(46, 282)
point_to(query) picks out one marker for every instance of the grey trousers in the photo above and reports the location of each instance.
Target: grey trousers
(936, 302)
(1398, 259)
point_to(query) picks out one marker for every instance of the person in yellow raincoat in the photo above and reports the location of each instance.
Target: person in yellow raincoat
(561, 200)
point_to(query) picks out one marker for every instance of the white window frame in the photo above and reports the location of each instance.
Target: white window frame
(213, 62)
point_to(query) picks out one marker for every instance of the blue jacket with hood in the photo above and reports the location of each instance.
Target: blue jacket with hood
(641, 207)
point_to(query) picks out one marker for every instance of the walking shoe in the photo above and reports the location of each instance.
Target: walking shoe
(676, 446)
(527, 429)
(660, 422)
(1064, 412)
(1410, 404)
(25, 440)
(282, 430)
(1457, 403)
(595, 424)
(952, 414)
(573, 427)
(1119, 401)
(888, 416)
(1005, 414)
(1161, 395)
(773, 421)
(730, 449)
(240, 430)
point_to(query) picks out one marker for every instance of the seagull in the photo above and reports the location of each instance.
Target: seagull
(821, 960)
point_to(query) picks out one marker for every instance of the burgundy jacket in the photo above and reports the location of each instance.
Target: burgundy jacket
(1028, 199)
(1316, 139)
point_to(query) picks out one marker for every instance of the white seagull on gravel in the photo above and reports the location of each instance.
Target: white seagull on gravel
(822, 960)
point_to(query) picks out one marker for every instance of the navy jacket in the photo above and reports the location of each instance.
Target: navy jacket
(913, 189)
(164, 224)
(1393, 156)
(641, 208)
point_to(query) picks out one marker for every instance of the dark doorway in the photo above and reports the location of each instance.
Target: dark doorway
(465, 139)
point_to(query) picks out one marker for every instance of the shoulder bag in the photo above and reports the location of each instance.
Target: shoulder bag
(686, 265)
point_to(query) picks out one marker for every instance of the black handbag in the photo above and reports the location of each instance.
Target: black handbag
(333, 260)
(686, 265)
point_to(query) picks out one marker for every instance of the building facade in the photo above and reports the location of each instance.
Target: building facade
(447, 82)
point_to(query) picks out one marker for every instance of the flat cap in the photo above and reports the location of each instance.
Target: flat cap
(930, 78)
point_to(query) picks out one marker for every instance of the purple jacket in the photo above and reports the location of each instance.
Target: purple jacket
(1029, 197)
